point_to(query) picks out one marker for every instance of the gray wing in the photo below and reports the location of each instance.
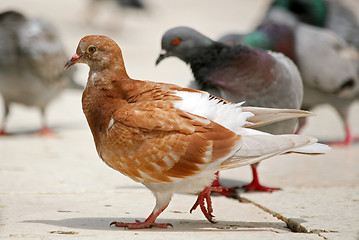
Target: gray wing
(328, 64)
(343, 21)
(41, 48)
(8, 48)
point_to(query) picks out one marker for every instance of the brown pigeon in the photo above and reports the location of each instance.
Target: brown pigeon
(172, 139)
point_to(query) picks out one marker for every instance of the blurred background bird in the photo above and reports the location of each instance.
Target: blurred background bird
(327, 63)
(238, 73)
(327, 58)
(330, 14)
(31, 64)
(110, 14)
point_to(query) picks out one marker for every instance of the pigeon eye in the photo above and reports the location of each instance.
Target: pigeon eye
(176, 41)
(91, 49)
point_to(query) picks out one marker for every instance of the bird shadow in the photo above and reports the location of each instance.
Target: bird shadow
(233, 183)
(179, 225)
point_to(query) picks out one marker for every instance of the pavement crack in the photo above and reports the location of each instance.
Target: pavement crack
(292, 224)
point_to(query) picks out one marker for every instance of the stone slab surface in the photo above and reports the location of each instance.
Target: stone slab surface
(57, 188)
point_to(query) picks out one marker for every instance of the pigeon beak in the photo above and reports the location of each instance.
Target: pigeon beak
(72, 61)
(162, 56)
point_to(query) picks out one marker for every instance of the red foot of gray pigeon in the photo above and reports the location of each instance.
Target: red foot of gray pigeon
(349, 139)
(45, 131)
(255, 185)
(3, 132)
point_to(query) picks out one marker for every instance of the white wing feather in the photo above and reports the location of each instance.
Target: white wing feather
(255, 145)
(201, 104)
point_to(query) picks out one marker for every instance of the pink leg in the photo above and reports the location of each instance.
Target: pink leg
(255, 185)
(205, 196)
(228, 192)
(3, 122)
(45, 130)
(148, 223)
(348, 138)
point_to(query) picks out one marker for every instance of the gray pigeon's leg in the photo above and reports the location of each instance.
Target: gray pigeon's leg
(45, 130)
(255, 185)
(4, 119)
(344, 114)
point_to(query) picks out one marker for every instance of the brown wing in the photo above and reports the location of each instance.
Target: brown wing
(154, 142)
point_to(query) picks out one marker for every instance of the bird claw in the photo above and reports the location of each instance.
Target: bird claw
(205, 196)
(257, 187)
(141, 225)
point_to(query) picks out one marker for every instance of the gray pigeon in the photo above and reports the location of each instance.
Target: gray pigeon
(328, 65)
(238, 73)
(331, 14)
(31, 64)
(342, 20)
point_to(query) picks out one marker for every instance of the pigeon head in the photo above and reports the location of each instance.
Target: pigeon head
(184, 43)
(98, 52)
(11, 19)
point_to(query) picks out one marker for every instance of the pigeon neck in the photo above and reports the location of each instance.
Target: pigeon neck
(205, 46)
(106, 76)
(206, 55)
(241, 64)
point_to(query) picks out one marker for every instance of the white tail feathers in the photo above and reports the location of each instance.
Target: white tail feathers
(256, 148)
(265, 116)
(316, 148)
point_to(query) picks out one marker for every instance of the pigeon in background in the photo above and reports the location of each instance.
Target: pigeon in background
(331, 14)
(296, 42)
(272, 36)
(110, 14)
(328, 65)
(238, 73)
(135, 4)
(31, 64)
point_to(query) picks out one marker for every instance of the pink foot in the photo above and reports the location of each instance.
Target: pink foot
(343, 143)
(227, 192)
(148, 223)
(3, 133)
(205, 196)
(347, 141)
(45, 131)
(256, 186)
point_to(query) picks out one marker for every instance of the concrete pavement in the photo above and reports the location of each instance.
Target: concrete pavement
(58, 188)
